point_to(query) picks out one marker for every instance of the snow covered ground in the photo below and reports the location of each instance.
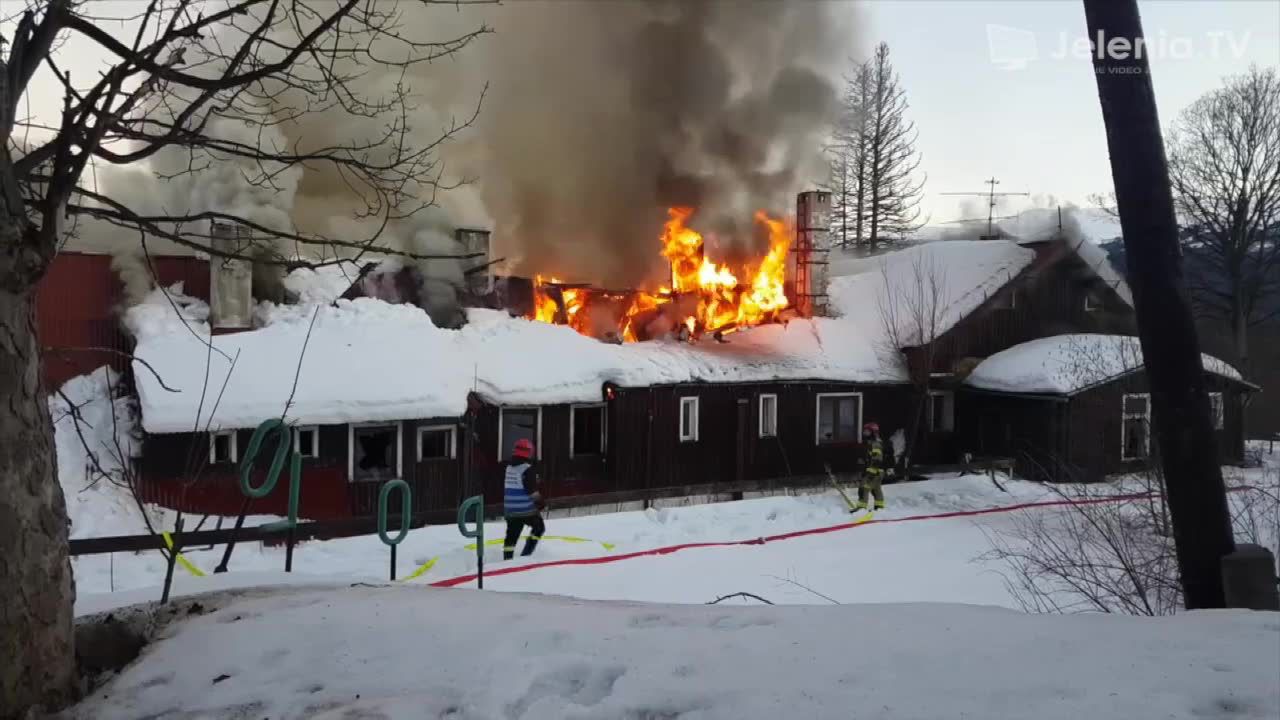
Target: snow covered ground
(409, 652)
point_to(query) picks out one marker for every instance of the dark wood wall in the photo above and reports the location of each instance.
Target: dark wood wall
(1049, 299)
(1078, 438)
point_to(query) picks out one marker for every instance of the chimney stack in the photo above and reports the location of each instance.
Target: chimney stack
(479, 273)
(813, 244)
(231, 279)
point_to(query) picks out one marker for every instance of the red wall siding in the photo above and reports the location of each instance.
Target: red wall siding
(78, 304)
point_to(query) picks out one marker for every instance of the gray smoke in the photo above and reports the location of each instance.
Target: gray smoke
(604, 114)
(599, 116)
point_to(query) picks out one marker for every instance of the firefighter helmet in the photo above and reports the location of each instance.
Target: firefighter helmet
(523, 449)
(871, 428)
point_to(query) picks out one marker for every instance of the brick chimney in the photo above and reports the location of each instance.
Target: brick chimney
(813, 244)
(230, 279)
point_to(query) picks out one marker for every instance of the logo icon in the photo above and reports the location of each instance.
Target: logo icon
(1011, 48)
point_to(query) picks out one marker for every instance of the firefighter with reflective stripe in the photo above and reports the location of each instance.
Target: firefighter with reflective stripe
(874, 464)
(521, 500)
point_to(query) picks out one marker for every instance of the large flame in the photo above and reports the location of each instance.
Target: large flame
(704, 296)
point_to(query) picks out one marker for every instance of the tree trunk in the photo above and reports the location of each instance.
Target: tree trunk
(37, 595)
(1170, 346)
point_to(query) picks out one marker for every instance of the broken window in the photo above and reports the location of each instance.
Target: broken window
(222, 447)
(306, 441)
(942, 411)
(519, 423)
(1216, 410)
(688, 419)
(839, 415)
(436, 443)
(1135, 430)
(587, 428)
(768, 416)
(375, 449)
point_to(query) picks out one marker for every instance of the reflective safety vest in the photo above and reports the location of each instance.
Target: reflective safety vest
(515, 499)
(875, 457)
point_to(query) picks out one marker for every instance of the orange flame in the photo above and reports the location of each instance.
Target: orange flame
(723, 302)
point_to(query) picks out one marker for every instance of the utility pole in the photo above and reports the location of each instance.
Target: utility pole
(1170, 346)
(991, 196)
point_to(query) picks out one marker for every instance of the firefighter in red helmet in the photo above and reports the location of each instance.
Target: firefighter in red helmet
(874, 464)
(521, 502)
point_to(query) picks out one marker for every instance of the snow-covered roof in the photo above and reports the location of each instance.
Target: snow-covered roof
(967, 272)
(367, 360)
(1067, 364)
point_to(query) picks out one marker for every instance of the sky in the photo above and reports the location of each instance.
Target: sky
(993, 94)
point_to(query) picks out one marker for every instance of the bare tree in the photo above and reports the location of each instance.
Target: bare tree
(887, 141)
(913, 309)
(849, 159)
(1224, 166)
(212, 83)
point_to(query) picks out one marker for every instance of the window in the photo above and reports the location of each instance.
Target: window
(222, 447)
(437, 442)
(375, 452)
(839, 417)
(768, 416)
(517, 423)
(1216, 409)
(1135, 427)
(942, 411)
(586, 430)
(688, 419)
(306, 440)
(1091, 303)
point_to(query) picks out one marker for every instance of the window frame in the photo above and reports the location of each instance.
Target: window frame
(351, 447)
(604, 425)
(1218, 410)
(760, 416)
(1125, 417)
(537, 431)
(315, 442)
(453, 441)
(817, 418)
(949, 403)
(232, 447)
(692, 436)
(1090, 304)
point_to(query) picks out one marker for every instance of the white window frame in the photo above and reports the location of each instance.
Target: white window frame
(1218, 410)
(453, 441)
(949, 402)
(1125, 417)
(692, 435)
(315, 443)
(604, 424)
(1090, 305)
(817, 417)
(213, 443)
(760, 416)
(537, 440)
(351, 446)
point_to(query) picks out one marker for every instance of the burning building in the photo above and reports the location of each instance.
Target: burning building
(703, 297)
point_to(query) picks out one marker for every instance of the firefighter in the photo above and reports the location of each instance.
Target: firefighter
(874, 464)
(521, 501)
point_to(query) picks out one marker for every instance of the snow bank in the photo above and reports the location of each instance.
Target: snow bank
(367, 360)
(1066, 364)
(402, 652)
(323, 284)
(98, 503)
(967, 272)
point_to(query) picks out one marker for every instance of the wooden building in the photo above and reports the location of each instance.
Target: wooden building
(621, 424)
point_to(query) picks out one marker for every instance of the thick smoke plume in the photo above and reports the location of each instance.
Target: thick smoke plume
(597, 117)
(604, 114)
